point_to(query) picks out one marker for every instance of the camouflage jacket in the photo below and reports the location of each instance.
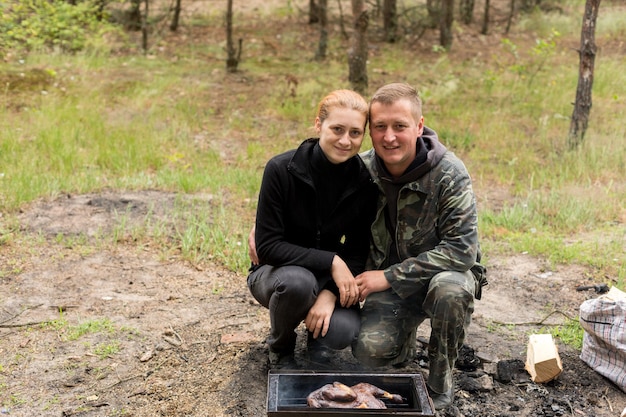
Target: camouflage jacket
(436, 226)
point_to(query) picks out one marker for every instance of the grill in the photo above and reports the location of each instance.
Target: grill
(287, 392)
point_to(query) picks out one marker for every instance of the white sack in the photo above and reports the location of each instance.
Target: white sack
(604, 341)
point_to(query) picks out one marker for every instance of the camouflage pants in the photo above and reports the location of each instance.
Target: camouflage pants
(389, 325)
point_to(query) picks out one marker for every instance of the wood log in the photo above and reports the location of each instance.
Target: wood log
(543, 362)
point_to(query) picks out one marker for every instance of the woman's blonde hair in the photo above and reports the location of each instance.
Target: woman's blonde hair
(346, 99)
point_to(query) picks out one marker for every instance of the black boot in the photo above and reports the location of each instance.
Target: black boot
(318, 354)
(282, 360)
(442, 401)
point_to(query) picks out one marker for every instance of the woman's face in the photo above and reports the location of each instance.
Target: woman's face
(341, 134)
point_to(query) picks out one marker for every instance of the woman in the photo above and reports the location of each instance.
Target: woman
(316, 205)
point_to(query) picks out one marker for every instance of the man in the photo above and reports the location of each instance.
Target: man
(424, 253)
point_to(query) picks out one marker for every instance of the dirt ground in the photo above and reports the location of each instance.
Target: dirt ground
(190, 341)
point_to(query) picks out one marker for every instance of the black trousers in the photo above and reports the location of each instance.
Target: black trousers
(289, 292)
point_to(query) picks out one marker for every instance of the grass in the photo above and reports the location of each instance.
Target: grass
(105, 350)
(570, 333)
(88, 327)
(175, 121)
(100, 328)
(101, 337)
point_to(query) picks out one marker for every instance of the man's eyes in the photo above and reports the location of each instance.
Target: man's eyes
(394, 127)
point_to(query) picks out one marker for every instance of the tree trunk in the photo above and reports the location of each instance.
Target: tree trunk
(341, 20)
(322, 46)
(445, 23)
(314, 13)
(509, 20)
(467, 11)
(176, 17)
(390, 20)
(587, 53)
(144, 27)
(234, 54)
(357, 55)
(485, 28)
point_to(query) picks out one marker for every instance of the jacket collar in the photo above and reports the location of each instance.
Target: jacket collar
(300, 163)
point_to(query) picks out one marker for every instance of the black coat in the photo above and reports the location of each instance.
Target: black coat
(289, 230)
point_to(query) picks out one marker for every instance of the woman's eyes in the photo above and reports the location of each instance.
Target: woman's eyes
(338, 130)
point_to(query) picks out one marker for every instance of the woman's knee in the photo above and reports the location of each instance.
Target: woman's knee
(343, 330)
(296, 282)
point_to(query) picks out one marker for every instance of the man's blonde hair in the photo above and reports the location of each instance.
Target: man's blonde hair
(390, 93)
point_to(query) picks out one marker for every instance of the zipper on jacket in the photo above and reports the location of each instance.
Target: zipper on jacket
(318, 220)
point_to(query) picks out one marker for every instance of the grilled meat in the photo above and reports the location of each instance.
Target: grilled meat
(362, 395)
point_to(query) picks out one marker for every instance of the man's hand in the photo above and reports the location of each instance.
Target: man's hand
(371, 281)
(317, 320)
(348, 291)
(254, 258)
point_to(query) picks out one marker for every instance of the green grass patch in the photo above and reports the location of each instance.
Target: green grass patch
(106, 350)
(569, 333)
(74, 332)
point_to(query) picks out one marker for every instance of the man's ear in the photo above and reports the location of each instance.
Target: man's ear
(420, 126)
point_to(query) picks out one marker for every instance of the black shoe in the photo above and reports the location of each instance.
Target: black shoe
(317, 353)
(282, 360)
(442, 401)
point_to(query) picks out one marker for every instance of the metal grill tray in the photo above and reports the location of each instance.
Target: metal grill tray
(287, 392)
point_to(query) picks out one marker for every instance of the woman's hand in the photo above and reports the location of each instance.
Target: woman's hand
(348, 290)
(317, 320)
(254, 258)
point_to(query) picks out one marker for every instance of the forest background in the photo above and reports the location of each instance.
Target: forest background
(86, 109)
(96, 99)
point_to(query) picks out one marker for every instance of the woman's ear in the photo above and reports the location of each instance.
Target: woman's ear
(318, 125)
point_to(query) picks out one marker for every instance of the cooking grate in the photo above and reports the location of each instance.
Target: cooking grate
(287, 392)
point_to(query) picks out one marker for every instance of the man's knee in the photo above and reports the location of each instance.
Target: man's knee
(450, 293)
(388, 325)
(378, 348)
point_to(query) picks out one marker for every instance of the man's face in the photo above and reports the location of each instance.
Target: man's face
(394, 132)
